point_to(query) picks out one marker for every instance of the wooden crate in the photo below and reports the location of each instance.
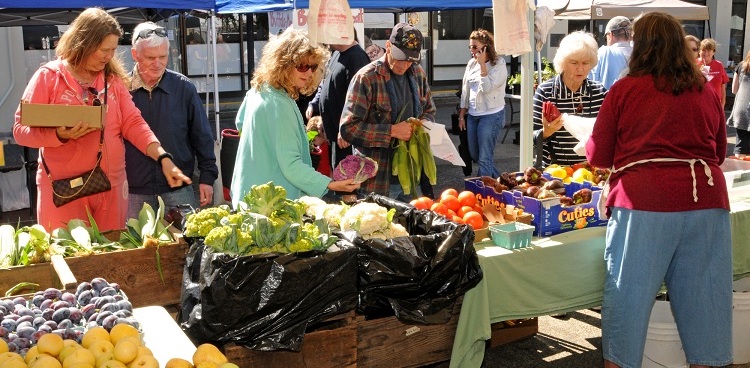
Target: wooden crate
(42, 274)
(135, 270)
(330, 344)
(386, 342)
(509, 331)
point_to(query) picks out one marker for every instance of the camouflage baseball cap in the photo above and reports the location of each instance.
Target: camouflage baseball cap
(406, 42)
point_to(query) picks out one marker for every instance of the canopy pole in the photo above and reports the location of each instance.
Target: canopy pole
(526, 157)
(218, 186)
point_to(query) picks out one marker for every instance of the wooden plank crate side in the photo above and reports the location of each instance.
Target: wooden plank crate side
(42, 274)
(332, 343)
(387, 343)
(510, 331)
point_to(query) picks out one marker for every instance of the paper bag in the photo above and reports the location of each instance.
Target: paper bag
(331, 22)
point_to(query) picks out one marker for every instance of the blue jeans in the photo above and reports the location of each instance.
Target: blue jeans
(482, 132)
(171, 199)
(691, 252)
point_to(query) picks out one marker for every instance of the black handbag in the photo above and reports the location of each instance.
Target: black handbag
(90, 182)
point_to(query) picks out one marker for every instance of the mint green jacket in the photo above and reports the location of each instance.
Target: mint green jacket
(273, 147)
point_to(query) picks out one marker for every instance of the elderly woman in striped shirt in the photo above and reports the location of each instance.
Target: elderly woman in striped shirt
(573, 93)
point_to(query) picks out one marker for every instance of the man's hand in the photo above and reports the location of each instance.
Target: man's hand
(206, 193)
(174, 175)
(401, 131)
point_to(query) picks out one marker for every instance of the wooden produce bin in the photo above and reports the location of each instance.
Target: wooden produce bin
(42, 274)
(331, 343)
(135, 270)
(386, 342)
(509, 331)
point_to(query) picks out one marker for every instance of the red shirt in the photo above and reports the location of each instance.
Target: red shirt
(324, 165)
(637, 122)
(717, 76)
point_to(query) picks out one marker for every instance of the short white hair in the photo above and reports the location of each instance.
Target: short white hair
(576, 43)
(152, 40)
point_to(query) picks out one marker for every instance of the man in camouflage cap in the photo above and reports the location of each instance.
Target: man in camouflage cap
(377, 94)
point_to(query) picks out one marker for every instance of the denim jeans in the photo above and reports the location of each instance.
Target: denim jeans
(171, 199)
(691, 252)
(482, 134)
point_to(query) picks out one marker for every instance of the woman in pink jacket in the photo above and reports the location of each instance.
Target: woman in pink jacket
(86, 57)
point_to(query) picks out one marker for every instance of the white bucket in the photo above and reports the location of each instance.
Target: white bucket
(741, 321)
(663, 346)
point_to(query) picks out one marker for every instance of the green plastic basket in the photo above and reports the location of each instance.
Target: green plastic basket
(513, 235)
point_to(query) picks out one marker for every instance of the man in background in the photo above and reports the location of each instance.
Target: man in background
(614, 57)
(346, 60)
(172, 108)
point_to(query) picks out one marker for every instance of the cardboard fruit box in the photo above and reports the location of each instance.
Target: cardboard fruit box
(550, 217)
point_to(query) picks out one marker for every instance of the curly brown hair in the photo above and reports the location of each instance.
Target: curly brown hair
(282, 54)
(486, 38)
(84, 37)
(660, 50)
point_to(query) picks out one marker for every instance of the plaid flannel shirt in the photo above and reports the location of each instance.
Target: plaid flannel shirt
(366, 117)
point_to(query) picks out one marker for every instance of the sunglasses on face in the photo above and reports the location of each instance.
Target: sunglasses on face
(93, 92)
(302, 68)
(146, 33)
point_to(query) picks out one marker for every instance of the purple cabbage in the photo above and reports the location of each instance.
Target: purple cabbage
(357, 167)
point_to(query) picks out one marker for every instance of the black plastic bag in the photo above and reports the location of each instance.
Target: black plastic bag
(417, 278)
(266, 301)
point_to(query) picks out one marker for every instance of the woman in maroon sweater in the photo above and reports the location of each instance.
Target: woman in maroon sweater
(662, 129)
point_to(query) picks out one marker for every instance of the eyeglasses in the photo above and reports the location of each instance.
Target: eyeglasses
(302, 68)
(92, 92)
(146, 33)
(473, 47)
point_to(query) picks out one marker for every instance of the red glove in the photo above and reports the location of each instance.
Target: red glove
(550, 111)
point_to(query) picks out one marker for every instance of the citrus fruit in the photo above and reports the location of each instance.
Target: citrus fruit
(474, 219)
(439, 208)
(423, 203)
(462, 211)
(467, 198)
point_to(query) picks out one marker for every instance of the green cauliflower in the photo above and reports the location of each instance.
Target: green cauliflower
(229, 239)
(199, 224)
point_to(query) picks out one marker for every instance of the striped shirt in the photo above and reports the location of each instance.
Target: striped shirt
(586, 101)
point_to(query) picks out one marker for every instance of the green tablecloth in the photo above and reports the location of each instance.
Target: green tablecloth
(740, 219)
(558, 274)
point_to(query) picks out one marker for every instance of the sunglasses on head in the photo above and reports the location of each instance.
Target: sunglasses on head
(305, 67)
(93, 92)
(146, 33)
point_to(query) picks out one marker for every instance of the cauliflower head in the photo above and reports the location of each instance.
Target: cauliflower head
(366, 218)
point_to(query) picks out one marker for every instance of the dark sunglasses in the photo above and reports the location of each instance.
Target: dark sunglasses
(93, 92)
(146, 33)
(305, 67)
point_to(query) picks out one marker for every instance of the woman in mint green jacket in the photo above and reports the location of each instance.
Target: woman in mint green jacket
(273, 143)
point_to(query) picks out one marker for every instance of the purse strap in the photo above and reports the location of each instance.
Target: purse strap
(101, 135)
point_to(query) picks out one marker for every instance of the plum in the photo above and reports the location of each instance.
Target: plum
(9, 324)
(68, 297)
(108, 291)
(19, 300)
(52, 293)
(119, 297)
(25, 331)
(103, 300)
(47, 314)
(46, 303)
(124, 304)
(51, 324)
(23, 342)
(12, 347)
(124, 313)
(37, 300)
(109, 307)
(25, 318)
(85, 297)
(98, 284)
(109, 322)
(102, 315)
(93, 317)
(116, 286)
(61, 314)
(37, 334)
(4, 332)
(46, 328)
(60, 304)
(24, 324)
(83, 287)
(87, 311)
(75, 315)
(65, 324)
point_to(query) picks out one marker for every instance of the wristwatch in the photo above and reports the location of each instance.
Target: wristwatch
(163, 156)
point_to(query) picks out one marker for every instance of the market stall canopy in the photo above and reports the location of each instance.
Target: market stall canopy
(52, 17)
(255, 6)
(608, 9)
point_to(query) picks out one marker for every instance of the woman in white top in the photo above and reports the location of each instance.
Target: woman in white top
(482, 112)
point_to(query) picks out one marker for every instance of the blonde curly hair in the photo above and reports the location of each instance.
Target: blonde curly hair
(282, 54)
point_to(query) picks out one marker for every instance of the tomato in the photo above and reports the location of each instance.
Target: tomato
(479, 209)
(462, 211)
(450, 191)
(450, 201)
(413, 203)
(474, 219)
(458, 219)
(467, 198)
(422, 203)
(439, 208)
(451, 214)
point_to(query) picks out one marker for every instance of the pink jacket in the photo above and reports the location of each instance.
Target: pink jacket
(53, 84)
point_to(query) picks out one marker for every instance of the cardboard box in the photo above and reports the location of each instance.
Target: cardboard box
(46, 115)
(509, 331)
(549, 216)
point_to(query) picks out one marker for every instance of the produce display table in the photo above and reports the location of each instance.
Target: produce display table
(163, 335)
(558, 274)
